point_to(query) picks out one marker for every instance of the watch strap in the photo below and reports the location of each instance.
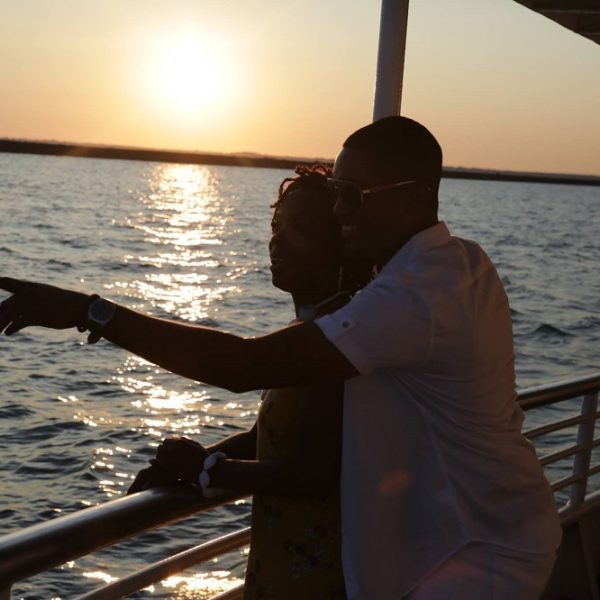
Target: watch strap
(204, 477)
(99, 314)
(83, 324)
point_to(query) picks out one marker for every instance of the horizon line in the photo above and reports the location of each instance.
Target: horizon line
(251, 159)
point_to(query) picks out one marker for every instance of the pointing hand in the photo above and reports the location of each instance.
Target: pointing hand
(40, 304)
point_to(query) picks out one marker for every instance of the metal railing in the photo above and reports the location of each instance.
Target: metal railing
(41, 547)
(587, 389)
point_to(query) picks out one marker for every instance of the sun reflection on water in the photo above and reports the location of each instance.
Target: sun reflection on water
(202, 585)
(100, 576)
(181, 271)
(184, 216)
(186, 211)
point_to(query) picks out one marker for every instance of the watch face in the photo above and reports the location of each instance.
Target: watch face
(101, 312)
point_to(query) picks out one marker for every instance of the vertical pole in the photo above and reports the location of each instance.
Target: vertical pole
(585, 437)
(390, 58)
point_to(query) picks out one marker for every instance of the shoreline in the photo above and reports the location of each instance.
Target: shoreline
(259, 161)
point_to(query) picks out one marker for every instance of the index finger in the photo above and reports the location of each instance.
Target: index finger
(11, 285)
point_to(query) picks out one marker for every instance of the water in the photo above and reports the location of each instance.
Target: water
(190, 242)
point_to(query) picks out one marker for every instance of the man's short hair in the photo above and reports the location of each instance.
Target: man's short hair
(402, 147)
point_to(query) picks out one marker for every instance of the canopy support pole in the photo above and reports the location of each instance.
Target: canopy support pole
(390, 58)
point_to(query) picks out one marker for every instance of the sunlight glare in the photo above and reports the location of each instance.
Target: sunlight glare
(188, 75)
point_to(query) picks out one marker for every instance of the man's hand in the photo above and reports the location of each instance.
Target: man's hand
(182, 457)
(40, 304)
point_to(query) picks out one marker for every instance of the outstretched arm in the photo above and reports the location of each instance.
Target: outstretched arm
(296, 355)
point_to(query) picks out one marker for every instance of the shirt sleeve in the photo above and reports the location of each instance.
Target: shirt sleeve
(383, 326)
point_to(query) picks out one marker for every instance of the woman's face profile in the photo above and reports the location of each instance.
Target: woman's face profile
(305, 244)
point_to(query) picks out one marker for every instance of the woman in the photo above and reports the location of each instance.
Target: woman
(290, 459)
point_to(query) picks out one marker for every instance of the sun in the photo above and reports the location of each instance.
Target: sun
(188, 74)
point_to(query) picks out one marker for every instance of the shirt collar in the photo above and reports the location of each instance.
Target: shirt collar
(436, 235)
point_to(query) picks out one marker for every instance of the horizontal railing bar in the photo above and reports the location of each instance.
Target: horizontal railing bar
(169, 566)
(566, 481)
(558, 425)
(570, 513)
(46, 545)
(570, 451)
(594, 470)
(235, 593)
(554, 392)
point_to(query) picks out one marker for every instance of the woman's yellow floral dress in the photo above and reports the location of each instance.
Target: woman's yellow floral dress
(295, 548)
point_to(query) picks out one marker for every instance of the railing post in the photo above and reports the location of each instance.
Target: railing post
(585, 437)
(390, 58)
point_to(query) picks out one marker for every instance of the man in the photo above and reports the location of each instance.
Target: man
(441, 494)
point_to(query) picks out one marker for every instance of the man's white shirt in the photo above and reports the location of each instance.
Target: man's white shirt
(433, 455)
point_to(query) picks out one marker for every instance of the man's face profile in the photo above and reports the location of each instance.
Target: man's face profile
(378, 227)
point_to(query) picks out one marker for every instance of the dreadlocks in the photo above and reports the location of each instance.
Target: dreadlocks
(313, 176)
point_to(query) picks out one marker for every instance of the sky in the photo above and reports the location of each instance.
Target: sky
(499, 86)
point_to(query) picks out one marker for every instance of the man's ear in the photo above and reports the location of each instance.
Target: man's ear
(424, 200)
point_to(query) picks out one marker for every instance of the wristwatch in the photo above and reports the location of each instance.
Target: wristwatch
(100, 312)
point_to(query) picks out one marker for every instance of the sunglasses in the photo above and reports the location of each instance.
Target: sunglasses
(354, 194)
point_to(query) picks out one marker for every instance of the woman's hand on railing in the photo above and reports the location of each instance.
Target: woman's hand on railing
(178, 460)
(182, 457)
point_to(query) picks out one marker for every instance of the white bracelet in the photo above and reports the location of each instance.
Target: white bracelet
(204, 478)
